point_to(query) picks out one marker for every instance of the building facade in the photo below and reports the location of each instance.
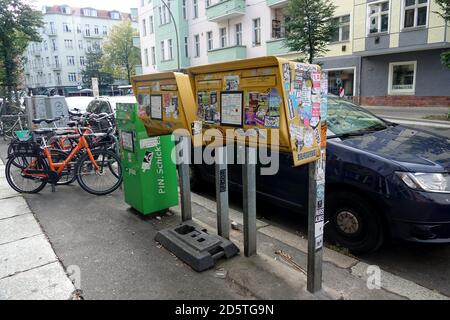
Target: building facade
(55, 64)
(386, 52)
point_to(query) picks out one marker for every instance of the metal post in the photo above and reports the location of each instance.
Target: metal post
(223, 221)
(249, 197)
(183, 172)
(315, 229)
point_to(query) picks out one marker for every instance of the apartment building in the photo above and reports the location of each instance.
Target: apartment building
(385, 52)
(55, 64)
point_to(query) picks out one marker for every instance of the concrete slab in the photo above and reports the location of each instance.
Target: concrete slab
(48, 282)
(5, 190)
(399, 285)
(20, 227)
(25, 254)
(13, 207)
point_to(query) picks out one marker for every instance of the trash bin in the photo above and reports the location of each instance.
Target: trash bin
(149, 174)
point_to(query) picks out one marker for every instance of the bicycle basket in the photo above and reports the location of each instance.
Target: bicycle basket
(23, 135)
(26, 148)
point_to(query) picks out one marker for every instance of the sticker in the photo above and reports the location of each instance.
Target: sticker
(147, 162)
(156, 107)
(223, 180)
(319, 243)
(251, 108)
(272, 122)
(175, 108)
(309, 138)
(231, 83)
(317, 135)
(263, 108)
(131, 172)
(210, 110)
(196, 128)
(291, 114)
(314, 122)
(274, 103)
(149, 143)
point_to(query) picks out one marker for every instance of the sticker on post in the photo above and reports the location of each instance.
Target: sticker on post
(149, 143)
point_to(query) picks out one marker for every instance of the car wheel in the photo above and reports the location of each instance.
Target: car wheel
(353, 223)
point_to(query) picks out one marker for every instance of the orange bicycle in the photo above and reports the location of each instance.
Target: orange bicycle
(32, 164)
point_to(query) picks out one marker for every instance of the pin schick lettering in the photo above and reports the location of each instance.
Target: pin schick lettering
(160, 170)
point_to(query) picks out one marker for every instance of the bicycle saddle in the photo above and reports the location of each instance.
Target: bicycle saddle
(42, 131)
(72, 124)
(38, 121)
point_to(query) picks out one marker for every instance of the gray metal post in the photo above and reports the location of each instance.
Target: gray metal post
(249, 197)
(315, 229)
(223, 221)
(183, 172)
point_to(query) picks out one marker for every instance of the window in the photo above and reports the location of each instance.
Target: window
(79, 28)
(197, 45)
(115, 15)
(209, 40)
(80, 44)
(342, 32)
(82, 61)
(144, 28)
(48, 61)
(66, 27)
(195, 4)
(415, 13)
(89, 45)
(96, 30)
(88, 12)
(150, 25)
(207, 3)
(153, 56)
(146, 57)
(223, 37)
(45, 45)
(72, 77)
(56, 61)
(163, 51)
(105, 30)
(87, 30)
(239, 34)
(379, 17)
(54, 45)
(184, 10)
(68, 44)
(70, 60)
(402, 77)
(256, 32)
(164, 14)
(186, 47)
(170, 45)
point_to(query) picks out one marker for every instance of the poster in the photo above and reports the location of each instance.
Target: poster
(175, 107)
(212, 111)
(231, 108)
(126, 139)
(231, 83)
(251, 108)
(263, 109)
(156, 107)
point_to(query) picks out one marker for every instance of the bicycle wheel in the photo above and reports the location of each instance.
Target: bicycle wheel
(104, 180)
(18, 178)
(68, 175)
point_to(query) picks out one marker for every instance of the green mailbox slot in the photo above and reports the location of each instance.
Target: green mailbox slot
(149, 174)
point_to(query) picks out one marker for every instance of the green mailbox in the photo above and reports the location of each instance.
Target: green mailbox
(149, 174)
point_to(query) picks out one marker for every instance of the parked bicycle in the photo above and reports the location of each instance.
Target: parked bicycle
(9, 124)
(34, 163)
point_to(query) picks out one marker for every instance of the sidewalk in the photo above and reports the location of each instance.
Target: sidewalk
(29, 268)
(269, 275)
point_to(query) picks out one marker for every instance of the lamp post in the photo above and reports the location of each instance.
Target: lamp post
(176, 33)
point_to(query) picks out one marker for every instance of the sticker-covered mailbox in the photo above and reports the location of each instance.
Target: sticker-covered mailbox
(269, 94)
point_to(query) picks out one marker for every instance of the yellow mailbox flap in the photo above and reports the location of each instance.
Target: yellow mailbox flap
(269, 99)
(166, 102)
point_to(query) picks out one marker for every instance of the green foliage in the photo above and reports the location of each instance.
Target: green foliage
(93, 69)
(445, 58)
(19, 25)
(445, 9)
(309, 27)
(120, 56)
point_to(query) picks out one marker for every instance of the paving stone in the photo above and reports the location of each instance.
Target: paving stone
(20, 227)
(13, 207)
(25, 254)
(48, 282)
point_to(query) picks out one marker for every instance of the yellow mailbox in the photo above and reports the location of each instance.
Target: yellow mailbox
(269, 94)
(166, 102)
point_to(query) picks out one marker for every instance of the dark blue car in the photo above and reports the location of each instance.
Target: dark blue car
(383, 181)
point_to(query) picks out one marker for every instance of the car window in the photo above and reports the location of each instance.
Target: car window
(92, 106)
(345, 117)
(103, 107)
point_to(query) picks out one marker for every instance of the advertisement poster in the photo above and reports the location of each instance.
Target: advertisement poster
(263, 108)
(126, 139)
(251, 108)
(156, 111)
(231, 108)
(231, 83)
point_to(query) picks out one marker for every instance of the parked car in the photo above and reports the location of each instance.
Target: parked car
(383, 181)
(80, 103)
(108, 104)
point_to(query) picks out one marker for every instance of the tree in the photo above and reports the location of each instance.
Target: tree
(19, 25)
(120, 56)
(93, 69)
(445, 14)
(309, 27)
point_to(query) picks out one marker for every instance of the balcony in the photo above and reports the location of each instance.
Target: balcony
(276, 47)
(228, 53)
(51, 32)
(56, 66)
(136, 41)
(224, 10)
(277, 3)
(93, 35)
